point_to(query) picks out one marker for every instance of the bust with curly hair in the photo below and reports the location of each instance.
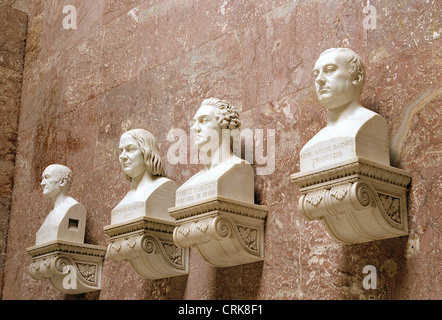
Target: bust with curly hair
(225, 174)
(215, 124)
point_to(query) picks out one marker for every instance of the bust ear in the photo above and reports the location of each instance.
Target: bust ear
(357, 78)
(63, 182)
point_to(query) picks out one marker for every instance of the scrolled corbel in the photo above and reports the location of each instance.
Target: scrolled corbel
(356, 212)
(151, 256)
(225, 238)
(70, 268)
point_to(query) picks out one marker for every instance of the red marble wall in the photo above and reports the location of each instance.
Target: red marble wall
(13, 24)
(149, 64)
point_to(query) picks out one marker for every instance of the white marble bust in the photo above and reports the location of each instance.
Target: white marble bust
(67, 219)
(151, 193)
(224, 173)
(352, 130)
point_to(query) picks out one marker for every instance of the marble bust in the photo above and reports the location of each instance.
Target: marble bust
(151, 193)
(224, 174)
(352, 130)
(67, 219)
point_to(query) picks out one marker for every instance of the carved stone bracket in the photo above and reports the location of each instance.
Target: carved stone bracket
(357, 201)
(225, 232)
(148, 246)
(71, 268)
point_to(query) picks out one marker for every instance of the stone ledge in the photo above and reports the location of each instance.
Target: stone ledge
(355, 166)
(67, 247)
(143, 223)
(221, 204)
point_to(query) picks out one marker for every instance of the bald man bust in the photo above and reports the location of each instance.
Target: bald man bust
(67, 219)
(352, 130)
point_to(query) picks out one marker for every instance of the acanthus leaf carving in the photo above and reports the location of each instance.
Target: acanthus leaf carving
(356, 208)
(229, 239)
(339, 192)
(151, 253)
(83, 262)
(88, 271)
(174, 253)
(315, 197)
(249, 236)
(391, 206)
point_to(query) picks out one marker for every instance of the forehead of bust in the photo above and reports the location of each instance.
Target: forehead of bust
(339, 58)
(127, 138)
(56, 170)
(206, 110)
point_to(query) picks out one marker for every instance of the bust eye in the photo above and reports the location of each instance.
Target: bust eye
(330, 69)
(315, 73)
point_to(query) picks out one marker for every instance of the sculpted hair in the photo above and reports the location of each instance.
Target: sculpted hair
(226, 114)
(63, 173)
(150, 150)
(354, 60)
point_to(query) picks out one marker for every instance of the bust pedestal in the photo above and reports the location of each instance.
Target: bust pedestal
(67, 222)
(142, 234)
(363, 135)
(216, 215)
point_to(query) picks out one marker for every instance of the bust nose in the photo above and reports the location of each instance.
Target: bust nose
(195, 127)
(320, 80)
(123, 155)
